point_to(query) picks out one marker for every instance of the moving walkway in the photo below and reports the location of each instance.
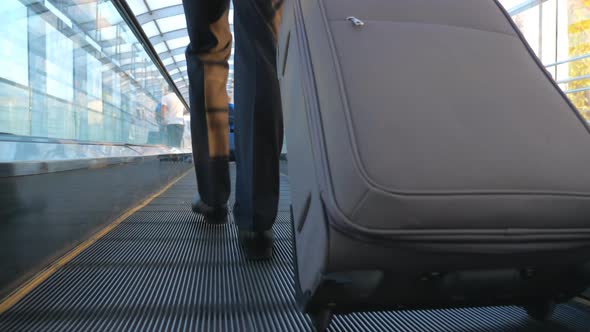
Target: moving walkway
(163, 269)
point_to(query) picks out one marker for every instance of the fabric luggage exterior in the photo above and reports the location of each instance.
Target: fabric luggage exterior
(433, 161)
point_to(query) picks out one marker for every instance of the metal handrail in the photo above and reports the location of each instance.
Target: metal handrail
(573, 79)
(562, 62)
(577, 90)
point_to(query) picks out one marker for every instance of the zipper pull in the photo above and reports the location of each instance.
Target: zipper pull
(355, 21)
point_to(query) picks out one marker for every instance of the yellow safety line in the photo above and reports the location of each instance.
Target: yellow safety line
(31, 284)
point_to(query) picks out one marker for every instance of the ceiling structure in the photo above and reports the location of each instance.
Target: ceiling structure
(164, 23)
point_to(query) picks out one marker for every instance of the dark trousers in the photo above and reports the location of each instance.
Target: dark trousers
(174, 133)
(258, 114)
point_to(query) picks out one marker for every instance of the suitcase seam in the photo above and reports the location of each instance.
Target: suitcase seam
(372, 184)
(359, 204)
(432, 24)
(344, 223)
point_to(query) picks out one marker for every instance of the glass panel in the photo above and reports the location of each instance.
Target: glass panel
(559, 32)
(14, 78)
(168, 61)
(14, 109)
(138, 6)
(562, 36)
(179, 58)
(172, 23)
(579, 45)
(549, 32)
(157, 4)
(14, 50)
(150, 29)
(511, 5)
(59, 64)
(528, 23)
(178, 42)
(77, 71)
(161, 47)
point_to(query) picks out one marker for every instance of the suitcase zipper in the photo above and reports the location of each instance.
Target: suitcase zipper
(355, 21)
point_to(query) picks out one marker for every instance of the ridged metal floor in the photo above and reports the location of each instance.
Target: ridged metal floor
(164, 269)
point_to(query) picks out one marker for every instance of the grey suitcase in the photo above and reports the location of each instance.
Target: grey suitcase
(433, 162)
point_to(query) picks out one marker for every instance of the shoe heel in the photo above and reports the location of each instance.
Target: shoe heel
(217, 218)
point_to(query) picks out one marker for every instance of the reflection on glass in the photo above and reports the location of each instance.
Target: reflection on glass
(14, 79)
(75, 70)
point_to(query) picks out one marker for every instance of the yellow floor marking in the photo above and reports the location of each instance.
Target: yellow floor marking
(35, 281)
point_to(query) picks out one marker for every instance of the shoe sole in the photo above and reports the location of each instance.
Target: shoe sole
(212, 220)
(258, 256)
(216, 221)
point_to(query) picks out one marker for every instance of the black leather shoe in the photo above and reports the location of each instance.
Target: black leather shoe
(213, 215)
(256, 245)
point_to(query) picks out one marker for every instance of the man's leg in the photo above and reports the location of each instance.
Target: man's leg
(177, 136)
(207, 60)
(259, 122)
(180, 135)
(169, 135)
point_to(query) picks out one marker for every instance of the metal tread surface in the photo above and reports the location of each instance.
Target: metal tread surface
(164, 269)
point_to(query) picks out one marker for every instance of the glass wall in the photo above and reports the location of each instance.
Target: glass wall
(559, 32)
(73, 69)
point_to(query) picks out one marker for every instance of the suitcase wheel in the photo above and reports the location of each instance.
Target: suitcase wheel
(541, 311)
